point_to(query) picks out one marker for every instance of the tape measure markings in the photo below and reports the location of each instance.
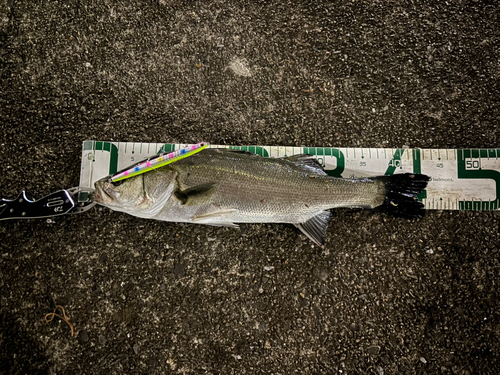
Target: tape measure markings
(463, 179)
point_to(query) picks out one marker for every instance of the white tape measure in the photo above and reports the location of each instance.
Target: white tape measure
(461, 179)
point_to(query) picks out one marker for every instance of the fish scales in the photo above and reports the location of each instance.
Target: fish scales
(272, 190)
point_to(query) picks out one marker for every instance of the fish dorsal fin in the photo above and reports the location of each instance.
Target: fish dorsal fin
(315, 228)
(307, 161)
(196, 195)
(241, 152)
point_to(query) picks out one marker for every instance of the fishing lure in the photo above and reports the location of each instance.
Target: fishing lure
(158, 161)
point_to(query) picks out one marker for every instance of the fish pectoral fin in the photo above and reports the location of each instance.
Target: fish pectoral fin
(306, 161)
(315, 228)
(196, 195)
(217, 218)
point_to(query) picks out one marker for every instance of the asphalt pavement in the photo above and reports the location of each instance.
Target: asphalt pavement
(384, 296)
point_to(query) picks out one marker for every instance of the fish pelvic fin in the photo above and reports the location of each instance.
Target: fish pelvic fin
(227, 225)
(216, 217)
(315, 228)
(401, 192)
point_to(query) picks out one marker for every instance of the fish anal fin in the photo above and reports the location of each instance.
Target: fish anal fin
(315, 228)
(196, 195)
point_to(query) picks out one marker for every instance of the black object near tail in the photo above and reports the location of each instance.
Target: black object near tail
(401, 194)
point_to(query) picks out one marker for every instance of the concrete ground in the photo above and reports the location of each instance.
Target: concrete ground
(385, 296)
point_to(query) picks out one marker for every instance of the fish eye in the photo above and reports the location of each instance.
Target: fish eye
(117, 183)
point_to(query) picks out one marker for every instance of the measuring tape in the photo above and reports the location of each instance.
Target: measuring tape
(461, 179)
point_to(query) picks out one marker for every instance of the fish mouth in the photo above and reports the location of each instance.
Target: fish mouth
(103, 194)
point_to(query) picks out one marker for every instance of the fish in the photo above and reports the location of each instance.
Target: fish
(222, 187)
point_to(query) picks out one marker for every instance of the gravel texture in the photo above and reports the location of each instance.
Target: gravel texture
(384, 296)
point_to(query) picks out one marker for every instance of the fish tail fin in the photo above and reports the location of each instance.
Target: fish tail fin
(401, 192)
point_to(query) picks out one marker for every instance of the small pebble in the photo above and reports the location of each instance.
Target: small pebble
(373, 350)
(355, 327)
(321, 273)
(179, 270)
(262, 327)
(83, 337)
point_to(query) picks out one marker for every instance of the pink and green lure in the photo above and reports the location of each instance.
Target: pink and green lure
(158, 161)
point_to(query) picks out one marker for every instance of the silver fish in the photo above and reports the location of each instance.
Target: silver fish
(223, 187)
